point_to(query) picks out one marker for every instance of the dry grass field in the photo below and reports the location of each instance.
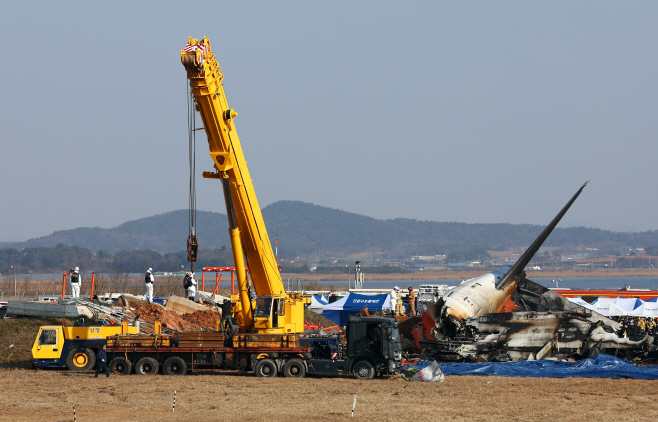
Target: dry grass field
(48, 395)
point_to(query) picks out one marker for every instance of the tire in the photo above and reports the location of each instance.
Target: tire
(294, 368)
(120, 366)
(80, 360)
(146, 366)
(265, 368)
(363, 370)
(174, 366)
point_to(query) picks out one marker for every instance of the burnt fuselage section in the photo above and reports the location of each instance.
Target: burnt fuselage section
(549, 326)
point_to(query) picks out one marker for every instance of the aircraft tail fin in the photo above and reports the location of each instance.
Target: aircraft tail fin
(532, 250)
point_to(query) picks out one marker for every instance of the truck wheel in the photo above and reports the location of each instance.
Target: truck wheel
(294, 368)
(265, 368)
(80, 360)
(146, 366)
(120, 366)
(174, 366)
(363, 370)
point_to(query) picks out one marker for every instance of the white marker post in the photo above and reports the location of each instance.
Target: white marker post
(74, 418)
(173, 409)
(353, 405)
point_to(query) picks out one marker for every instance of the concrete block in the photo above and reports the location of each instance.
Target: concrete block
(181, 306)
(42, 309)
(209, 297)
(127, 300)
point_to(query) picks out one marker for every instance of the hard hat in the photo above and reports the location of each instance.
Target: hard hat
(76, 269)
(188, 274)
(397, 288)
(150, 270)
(410, 288)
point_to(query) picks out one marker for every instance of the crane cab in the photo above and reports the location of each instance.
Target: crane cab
(270, 314)
(278, 314)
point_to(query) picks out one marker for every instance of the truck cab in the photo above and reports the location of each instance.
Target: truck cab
(373, 347)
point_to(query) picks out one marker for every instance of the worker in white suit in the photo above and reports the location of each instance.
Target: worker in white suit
(76, 281)
(191, 290)
(148, 281)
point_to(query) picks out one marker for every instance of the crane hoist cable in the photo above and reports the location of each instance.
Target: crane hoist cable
(192, 242)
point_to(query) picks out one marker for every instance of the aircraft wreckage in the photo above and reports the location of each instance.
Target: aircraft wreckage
(503, 316)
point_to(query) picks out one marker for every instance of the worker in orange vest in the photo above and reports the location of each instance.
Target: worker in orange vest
(411, 301)
(399, 309)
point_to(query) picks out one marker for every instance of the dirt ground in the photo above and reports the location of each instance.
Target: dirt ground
(39, 395)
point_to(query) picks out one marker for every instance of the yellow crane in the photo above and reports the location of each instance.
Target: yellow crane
(274, 311)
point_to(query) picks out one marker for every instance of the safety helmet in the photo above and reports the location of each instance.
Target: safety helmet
(150, 270)
(76, 269)
(188, 274)
(410, 288)
(397, 287)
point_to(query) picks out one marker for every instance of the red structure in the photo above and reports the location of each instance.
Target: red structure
(641, 294)
(218, 278)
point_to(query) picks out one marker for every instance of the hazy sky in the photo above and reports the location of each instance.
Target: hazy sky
(479, 112)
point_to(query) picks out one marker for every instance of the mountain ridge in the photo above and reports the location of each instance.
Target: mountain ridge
(306, 228)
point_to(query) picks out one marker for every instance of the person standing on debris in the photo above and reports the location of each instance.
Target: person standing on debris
(393, 297)
(411, 303)
(101, 362)
(191, 289)
(186, 283)
(76, 281)
(148, 280)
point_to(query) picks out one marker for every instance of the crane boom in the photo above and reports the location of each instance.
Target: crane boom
(246, 225)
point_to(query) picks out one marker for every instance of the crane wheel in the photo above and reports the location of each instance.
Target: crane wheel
(266, 368)
(80, 360)
(174, 366)
(363, 370)
(120, 366)
(146, 366)
(294, 368)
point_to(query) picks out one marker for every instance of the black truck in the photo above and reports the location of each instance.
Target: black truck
(370, 347)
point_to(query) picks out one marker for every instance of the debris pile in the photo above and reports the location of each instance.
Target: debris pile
(195, 321)
(152, 313)
(206, 320)
(407, 324)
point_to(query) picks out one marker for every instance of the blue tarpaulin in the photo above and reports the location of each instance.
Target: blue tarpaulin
(601, 366)
(339, 311)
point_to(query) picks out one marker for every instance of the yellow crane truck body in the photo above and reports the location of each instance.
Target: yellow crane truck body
(73, 346)
(274, 311)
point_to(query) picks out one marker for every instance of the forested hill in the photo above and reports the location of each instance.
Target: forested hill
(306, 229)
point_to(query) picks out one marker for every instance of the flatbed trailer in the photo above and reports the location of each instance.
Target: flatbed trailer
(372, 347)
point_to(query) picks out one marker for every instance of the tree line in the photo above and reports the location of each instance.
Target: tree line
(61, 258)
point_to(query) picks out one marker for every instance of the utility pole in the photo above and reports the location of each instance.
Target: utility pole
(349, 277)
(12, 267)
